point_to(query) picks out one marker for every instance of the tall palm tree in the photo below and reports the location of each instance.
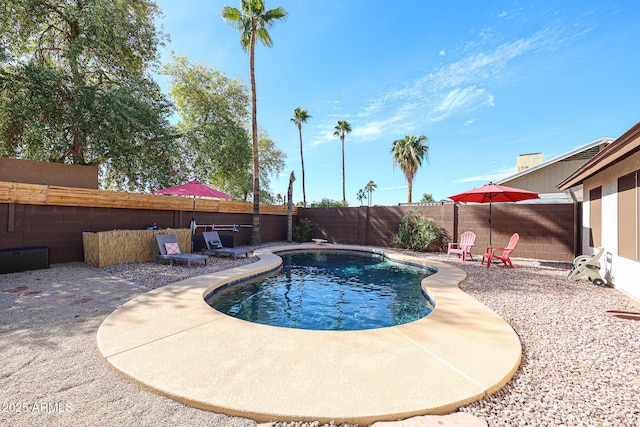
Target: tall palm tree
(342, 128)
(253, 22)
(292, 178)
(300, 116)
(408, 153)
(361, 196)
(370, 188)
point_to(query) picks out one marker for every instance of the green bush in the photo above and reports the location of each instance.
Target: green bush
(417, 232)
(328, 203)
(303, 231)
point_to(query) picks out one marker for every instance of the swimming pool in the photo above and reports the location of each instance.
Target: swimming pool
(330, 290)
(170, 341)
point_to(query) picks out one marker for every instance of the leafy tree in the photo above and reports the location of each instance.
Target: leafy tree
(328, 203)
(427, 198)
(301, 116)
(253, 23)
(213, 119)
(408, 153)
(370, 188)
(213, 130)
(361, 196)
(342, 128)
(75, 88)
(272, 161)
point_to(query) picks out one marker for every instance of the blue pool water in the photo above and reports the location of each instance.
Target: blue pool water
(329, 290)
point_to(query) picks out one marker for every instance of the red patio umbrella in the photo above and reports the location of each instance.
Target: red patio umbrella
(193, 189)
(490, 193)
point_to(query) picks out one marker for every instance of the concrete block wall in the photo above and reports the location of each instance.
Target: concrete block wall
(60, 227)
(547, 231)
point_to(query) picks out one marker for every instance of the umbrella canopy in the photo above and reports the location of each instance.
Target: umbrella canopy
(491, 193)
(193, 189)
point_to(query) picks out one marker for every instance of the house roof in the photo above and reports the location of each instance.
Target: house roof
(586, 151)
(619, 149)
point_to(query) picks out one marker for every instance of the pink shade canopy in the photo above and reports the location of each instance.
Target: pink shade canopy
(492, 193)
(195, 189)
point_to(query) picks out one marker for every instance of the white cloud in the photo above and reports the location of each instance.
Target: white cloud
(369, 130)
(462, 86)
(459, 86)
(489, 177)
(460, 99)
(323, 137)
(375, 128)
(398, 187)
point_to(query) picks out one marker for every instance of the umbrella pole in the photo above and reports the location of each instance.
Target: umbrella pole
(193, 226)
(490, 224)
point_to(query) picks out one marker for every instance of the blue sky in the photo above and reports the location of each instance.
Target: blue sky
(484, 81)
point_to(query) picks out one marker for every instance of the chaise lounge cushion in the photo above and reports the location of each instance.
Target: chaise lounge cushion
(172, 248)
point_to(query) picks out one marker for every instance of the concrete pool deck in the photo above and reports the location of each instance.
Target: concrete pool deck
(171, 342)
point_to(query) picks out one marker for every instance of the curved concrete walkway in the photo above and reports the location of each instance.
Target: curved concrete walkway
(171, 342)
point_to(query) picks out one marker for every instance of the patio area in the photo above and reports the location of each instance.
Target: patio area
(579, 367)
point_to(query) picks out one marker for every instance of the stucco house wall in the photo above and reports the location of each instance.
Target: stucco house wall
(623, 273)
(544, 177)
(545, 180)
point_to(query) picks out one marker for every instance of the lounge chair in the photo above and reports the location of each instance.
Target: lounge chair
(463, 248)
(214, 246)
(491, 253)
(588, 266)
(169, 249)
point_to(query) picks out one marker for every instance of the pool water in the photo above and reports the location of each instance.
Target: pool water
(329, 290)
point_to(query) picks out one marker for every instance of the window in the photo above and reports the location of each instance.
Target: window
(595, 215)
(628, 206)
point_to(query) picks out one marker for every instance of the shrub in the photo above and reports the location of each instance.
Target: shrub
(303, 231)
(328, 203)
(417, 232)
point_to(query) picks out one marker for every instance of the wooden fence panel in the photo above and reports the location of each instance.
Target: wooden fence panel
(56, 217)
(32, 194)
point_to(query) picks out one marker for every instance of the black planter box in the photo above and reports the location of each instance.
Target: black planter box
(23, 259)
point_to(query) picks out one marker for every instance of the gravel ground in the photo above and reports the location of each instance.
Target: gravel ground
(580, 366)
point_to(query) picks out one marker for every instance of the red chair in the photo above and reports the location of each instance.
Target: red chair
(490, 253)
(467, 240)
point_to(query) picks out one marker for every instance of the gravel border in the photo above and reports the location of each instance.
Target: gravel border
(580, 366)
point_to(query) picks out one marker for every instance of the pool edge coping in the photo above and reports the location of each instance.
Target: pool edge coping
(442, 285)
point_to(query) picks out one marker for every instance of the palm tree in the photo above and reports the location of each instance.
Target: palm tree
(361, 196)
(370, 188)
(253, 22)
(342, 128)
(408, 153)
(300, 116)
(292, 178)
